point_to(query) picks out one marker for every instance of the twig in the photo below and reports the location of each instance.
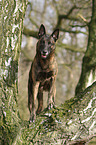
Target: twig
(83, 18)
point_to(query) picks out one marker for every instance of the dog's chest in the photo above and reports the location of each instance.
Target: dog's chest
(44, 76)
(45, 79)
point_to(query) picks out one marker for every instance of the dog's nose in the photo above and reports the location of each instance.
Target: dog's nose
(44, 52)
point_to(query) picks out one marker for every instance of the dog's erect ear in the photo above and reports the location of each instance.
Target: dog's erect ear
(42, 31)
(55, 34)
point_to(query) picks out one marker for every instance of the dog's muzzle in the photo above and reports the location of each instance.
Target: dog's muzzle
(44, 54)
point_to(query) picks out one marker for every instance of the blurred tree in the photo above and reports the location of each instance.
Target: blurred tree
(88, 74)
(70, 17)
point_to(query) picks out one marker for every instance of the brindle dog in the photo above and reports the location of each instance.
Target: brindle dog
(43, 72)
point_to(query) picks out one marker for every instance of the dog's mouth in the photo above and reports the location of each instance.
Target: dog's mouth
(44, 55)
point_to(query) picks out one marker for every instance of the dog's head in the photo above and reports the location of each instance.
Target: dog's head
(46, 43)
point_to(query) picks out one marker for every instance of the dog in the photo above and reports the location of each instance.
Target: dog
(43, 72)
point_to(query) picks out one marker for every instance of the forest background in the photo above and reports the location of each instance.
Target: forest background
(72, 18)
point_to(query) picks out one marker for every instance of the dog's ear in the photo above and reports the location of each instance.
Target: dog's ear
(42, 31)
(55, 34)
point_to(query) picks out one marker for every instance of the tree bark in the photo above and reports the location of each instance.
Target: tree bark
(11, 33)
(72, 123)
(88, 74)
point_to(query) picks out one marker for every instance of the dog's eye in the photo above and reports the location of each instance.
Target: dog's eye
(49, 43)
(43, 42)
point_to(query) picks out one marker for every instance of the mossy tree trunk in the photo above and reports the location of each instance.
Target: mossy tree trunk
(88, 74)
(12, 15)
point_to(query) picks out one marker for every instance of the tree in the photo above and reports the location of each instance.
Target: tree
(88, 74)
(73, 123)
(11, 34)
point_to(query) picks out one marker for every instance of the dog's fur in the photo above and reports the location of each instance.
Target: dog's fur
(43, 72)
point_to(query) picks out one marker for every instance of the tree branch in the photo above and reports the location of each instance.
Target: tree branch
(85, 21)
(74, 122)
(71, 48)
(29, 32)
(67, 16)
(81, 26)
(34, 34)
(88, 73)
(71, 31)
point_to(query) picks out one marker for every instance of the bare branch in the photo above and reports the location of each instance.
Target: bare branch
(71, 10)
(81, 26)
(29, 32)
(71, 48)
(85, 21)
(34, 34)
(67, 16)
(71, 31)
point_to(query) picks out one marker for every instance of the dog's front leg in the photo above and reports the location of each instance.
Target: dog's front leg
(51, 94)
(32, 99)
(40, 100)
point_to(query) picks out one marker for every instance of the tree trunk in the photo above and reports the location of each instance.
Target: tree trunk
(11, 33)
(72, 123)
(88, 74)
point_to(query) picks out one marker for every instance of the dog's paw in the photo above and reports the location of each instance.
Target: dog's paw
(32, 118)
(51, 105)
